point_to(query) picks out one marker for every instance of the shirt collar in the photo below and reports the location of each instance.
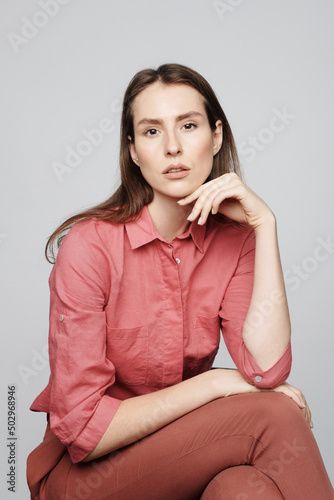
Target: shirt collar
(142, 231)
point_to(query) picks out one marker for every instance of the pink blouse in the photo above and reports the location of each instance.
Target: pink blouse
(132, 313)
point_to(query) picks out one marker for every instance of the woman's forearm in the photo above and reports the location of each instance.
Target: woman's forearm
(139, 416)
(267, 329)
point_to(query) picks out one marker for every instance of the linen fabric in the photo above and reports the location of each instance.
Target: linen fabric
(132, 313)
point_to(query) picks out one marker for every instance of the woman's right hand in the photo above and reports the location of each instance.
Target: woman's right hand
(232, 383)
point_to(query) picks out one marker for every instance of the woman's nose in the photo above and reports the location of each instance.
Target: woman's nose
(173, 144)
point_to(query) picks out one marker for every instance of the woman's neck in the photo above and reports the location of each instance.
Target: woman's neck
(169, 218)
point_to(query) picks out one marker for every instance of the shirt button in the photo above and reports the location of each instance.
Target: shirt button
(61, 317)
(178, 261)
(258, 378)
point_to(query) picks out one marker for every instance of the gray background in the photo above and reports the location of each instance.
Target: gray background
(65, 76)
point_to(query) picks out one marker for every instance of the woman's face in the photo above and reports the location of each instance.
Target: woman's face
(173, 143)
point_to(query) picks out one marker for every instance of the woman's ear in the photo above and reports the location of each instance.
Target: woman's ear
(217, 137)
(132, 151)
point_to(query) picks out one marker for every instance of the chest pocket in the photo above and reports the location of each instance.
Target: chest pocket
(127, 349)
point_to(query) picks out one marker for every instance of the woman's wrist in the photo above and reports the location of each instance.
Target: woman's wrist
(228, 382)
(267, 222)
(224, 380)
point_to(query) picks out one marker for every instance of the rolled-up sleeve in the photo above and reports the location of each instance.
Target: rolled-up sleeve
(80, 409)
(233, 312)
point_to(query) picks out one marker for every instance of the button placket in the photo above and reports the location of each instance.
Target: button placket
(176, 249)
(172, 344)
(175, 259)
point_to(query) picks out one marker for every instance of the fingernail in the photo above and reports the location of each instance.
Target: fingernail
(302, 404)
(180, 201)
(199, 220)
(190, 217)
(312, 425)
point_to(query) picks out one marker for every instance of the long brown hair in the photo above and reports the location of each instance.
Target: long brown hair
(134, 192)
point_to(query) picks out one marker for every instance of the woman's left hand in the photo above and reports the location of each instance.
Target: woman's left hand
(297, 396)
(229, 196)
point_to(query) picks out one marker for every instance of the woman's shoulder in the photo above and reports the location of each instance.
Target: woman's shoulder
(91, 237)
(93, 229)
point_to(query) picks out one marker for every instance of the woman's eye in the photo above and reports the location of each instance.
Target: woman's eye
(190, 126)
(151, 131)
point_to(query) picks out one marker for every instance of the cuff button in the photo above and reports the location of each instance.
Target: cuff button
(258, 378)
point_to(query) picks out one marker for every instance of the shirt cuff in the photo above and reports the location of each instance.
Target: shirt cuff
(94, 430)
(273, 377)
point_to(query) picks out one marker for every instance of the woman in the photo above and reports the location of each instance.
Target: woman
(141, 286)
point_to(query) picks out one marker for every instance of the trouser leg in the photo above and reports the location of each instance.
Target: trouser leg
(265, 430)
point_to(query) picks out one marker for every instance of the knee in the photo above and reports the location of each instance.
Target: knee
(241, 483)
(278, 409)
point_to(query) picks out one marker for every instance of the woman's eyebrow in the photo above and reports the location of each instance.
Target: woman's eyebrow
(183, 116)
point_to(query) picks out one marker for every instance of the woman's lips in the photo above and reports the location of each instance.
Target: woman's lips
(176, 172)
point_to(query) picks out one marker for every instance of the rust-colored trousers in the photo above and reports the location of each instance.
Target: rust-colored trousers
(254, 446)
